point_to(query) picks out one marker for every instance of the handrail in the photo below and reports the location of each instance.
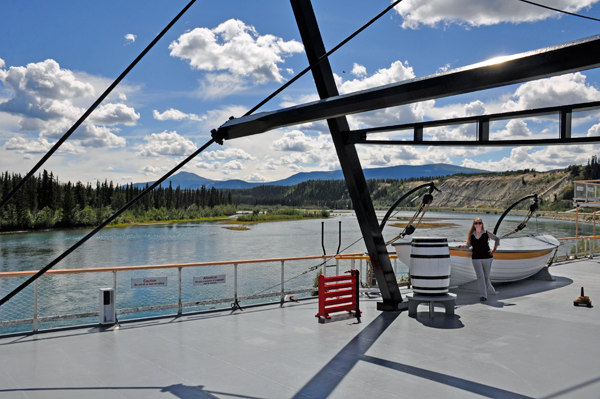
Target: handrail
(576, 238)
(352, 256)
(169, 266)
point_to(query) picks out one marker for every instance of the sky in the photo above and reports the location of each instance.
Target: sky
(224, 57)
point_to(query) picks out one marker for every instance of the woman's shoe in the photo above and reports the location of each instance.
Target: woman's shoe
(483, 299)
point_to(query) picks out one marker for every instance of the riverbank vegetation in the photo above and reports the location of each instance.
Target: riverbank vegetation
(44, 202)
(279, 214)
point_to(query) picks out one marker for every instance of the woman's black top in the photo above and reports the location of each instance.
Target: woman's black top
(481, 248)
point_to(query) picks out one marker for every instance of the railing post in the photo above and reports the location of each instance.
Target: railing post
(179, 304)
(115, 287)
(337, 266)
(235, 292)
(325, 266)
(360, 269)
(282, 281)
(35, 306)
(396, 268)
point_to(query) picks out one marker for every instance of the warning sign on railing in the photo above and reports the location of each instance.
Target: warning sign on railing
(207, 280)
(148, 282)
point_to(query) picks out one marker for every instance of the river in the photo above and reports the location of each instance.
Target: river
(210, 241)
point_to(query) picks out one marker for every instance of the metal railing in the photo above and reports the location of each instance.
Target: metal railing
(66, 297)
(586, 246)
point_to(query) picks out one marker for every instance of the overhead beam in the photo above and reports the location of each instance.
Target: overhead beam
(482, 122)
(556, 60)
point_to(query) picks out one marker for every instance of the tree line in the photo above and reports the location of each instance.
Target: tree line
(44, 202)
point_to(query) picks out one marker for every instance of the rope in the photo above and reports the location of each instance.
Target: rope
(522, 225)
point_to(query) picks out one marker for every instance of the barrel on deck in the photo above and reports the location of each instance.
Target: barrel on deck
(430, 265)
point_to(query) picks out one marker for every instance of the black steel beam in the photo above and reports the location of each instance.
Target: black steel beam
(556, 60)
(348, 157)
(527, 113)
(477, 143)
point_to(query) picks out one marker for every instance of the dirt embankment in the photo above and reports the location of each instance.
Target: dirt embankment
(499, 192)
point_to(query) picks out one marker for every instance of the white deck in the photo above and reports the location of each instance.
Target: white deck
(528, 342)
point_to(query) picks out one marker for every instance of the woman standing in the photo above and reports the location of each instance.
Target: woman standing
(482, 256)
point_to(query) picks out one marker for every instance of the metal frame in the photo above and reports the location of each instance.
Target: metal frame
(348, 157)
(551, 61)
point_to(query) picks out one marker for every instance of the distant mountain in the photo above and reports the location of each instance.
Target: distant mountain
(193, 181)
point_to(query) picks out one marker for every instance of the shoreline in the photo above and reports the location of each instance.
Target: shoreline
(230, 220)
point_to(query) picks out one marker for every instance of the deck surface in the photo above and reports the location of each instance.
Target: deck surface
(527, 342)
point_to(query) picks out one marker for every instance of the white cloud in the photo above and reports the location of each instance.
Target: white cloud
(233, 165)
(130, 37)
(397, 72)
(594, 130)
(255, 178)
(296, 141)
(565, 89)
(46, 100)
(38, 146)
(153, 170)
(209, 166)
(237, 48)
(166, 143)
(97, 137)
(176, 115)
(478, 13)
(2, 63)
(217, 117)
(547, 158)
(217, 85)
(358, 70)
(475, 108)
(235, 153)
(113, 114)
(515, 128)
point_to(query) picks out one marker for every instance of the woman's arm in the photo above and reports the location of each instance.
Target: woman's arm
(467, 245)
(496, 241)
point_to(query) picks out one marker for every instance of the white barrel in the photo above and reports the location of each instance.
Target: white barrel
(430, 265)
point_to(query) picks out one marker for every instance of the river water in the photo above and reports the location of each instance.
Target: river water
(210, 241)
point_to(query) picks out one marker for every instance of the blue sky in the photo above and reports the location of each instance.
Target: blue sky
(222, 58)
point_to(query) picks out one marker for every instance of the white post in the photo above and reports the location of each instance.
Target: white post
(115, 287)
(35, 306)
(360, 269)
(282, 281)
(179, 303)
(235, 292)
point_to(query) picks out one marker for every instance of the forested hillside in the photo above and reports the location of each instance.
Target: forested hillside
(44, 202)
